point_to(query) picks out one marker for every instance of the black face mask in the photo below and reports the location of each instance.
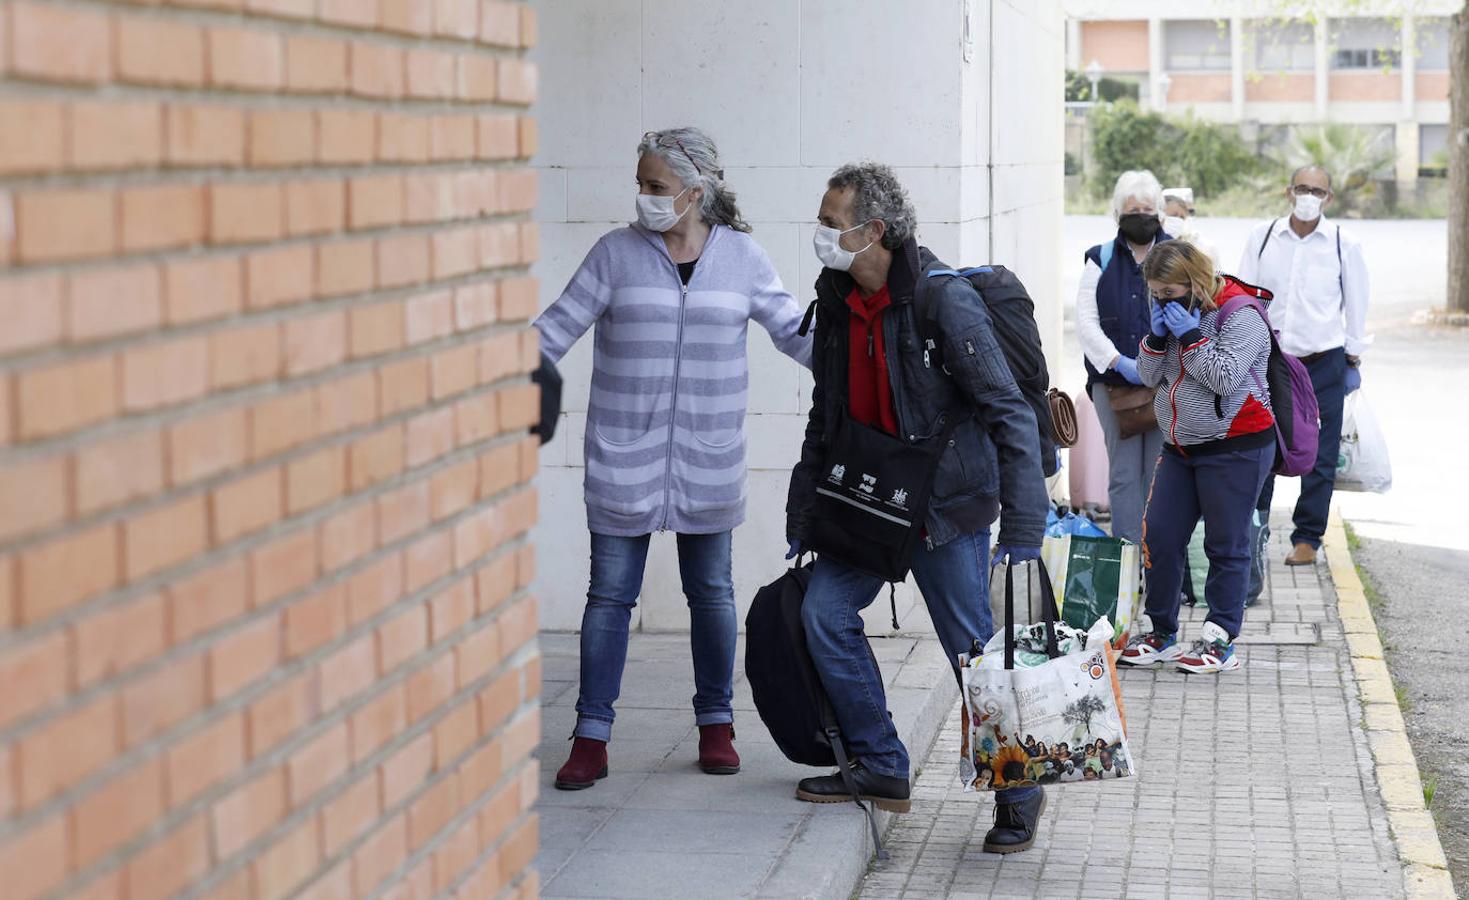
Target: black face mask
(1140, 228)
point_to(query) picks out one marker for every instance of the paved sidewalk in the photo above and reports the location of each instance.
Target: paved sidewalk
(657, 827)
(1258, 783)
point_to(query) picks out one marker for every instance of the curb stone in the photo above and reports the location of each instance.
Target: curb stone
(1425, 868)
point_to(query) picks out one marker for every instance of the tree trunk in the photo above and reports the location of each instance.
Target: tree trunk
(1458, 224)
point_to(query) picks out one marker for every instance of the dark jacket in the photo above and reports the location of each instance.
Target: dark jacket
(1122, 305)
(993, 460)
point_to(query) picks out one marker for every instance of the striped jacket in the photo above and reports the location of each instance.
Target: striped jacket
(1207, 379)
(665, 437)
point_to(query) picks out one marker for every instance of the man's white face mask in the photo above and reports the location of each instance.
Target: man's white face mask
(829, 249)
(1308, 208)
(1175, 225)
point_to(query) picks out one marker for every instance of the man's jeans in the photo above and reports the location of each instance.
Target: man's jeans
(1329, 378)
(617, 580)
(954, 579)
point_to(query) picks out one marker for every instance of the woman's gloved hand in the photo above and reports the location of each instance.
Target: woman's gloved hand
(1181, 321)
(1155, 315)
(1127, 367)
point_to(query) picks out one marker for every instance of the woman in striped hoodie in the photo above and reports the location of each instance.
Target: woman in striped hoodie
(671, 298)
(1213, 406)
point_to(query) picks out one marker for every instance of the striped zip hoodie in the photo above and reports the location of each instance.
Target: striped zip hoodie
(1213, 395)
(665, 436)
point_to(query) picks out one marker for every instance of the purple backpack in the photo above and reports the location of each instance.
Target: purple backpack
(1292, 396)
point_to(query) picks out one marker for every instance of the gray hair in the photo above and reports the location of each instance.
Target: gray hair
(877, 194)
(1311, 167)
(692, 156)
(1138, 184)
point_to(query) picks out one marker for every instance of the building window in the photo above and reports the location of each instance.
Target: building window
(1284, 46)
(1365, 44)
(1432, 37)
(1197, 46)
(1433, 147)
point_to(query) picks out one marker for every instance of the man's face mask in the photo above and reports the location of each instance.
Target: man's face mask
(829, 249)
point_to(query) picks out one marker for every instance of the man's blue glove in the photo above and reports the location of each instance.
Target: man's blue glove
(794, 551)
(1155, 315)
(1014, 555)
(1127, 368)
(1354, 378)
(1181, 321)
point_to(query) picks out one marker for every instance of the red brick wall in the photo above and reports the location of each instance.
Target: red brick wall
(264, 469)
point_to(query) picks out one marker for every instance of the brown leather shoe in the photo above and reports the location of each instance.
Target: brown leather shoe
(588, 763)
(1302, 555)
(717, 754)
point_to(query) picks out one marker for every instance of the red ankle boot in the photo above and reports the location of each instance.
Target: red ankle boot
(717, 754)
(588, 763)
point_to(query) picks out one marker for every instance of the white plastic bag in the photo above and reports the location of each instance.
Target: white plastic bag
(1362, 464)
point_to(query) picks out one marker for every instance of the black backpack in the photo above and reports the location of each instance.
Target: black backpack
(1013, 314)
(788, 692)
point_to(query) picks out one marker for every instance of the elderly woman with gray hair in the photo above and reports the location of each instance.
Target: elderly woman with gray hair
(671, 297)
(1111, 321)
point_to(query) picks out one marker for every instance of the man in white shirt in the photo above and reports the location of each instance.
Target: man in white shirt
(1319, 279)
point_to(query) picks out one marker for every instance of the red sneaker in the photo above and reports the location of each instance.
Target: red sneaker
(717, 754)
(588, 763)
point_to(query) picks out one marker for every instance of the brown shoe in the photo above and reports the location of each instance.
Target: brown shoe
(588, 763)
(1302, 555)
(717, 754)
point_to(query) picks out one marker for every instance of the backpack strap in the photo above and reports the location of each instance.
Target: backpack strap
(1104, 254)
(926, 312)
(805, 328)
(1341, 285)
(1271, 230)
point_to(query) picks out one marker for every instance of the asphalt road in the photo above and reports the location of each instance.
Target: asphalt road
(1415, 538)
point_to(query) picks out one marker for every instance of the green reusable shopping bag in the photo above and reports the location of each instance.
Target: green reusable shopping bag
(1101, 580)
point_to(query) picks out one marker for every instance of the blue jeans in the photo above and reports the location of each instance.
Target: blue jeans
(617, 580)
(1222, 488)
(1329, 378)
(954, 579)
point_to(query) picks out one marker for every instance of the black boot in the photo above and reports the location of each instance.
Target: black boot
(1016, 825)
(882, 791)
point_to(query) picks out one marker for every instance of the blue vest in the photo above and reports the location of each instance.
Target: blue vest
(1122, 304)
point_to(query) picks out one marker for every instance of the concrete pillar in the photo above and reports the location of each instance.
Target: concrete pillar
(1073, 45)
(1237, 67)
(1155, 63)
(1323, 68)
(1407, 128)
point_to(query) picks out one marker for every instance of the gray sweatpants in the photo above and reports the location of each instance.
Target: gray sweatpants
(1130, 464)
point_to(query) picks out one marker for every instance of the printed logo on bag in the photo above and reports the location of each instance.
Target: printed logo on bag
(899, 499)
(1095, 666)
(838, 472)
(868, 485)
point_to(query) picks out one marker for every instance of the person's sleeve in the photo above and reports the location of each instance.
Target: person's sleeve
(802, 493)
(775, 310)
(1355, 290)
(581, 303)
(1223, 363)
(974, 359)
(1095, 345)
(1152, 358)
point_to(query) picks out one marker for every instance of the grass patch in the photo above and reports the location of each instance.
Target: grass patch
(1430, 790)
(1375, 601)
(1405, 703)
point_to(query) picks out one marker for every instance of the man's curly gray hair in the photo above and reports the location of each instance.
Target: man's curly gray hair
(877, 194)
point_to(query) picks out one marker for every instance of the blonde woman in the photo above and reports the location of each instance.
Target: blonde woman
(1214, 410)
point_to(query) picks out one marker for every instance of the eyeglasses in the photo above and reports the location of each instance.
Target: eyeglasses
(662, 140)
(1301, 190)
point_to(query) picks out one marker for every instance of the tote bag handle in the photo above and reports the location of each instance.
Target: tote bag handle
(1048, 613)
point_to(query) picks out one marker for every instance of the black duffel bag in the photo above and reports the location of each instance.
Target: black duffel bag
(788, 692)
(872, 496)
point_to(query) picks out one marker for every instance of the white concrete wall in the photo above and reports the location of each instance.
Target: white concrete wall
(790, 89)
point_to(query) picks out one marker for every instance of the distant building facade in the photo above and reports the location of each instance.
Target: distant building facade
(1267, 65)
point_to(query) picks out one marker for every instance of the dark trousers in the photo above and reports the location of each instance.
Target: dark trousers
(1222, 488)
(1328, 377)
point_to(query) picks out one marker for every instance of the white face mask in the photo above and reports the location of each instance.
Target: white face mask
(1308, 208)
(830, 251)
(1175, 225)
(656, 213)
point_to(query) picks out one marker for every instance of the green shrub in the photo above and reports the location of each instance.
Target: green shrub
(1207, 157)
